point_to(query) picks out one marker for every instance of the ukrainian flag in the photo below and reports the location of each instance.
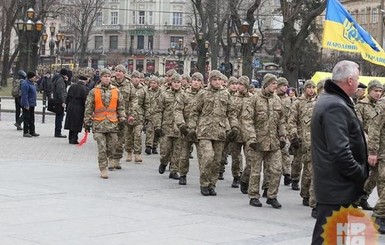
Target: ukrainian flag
(343, 33)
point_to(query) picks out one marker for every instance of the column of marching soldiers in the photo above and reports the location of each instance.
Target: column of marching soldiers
(223, 117)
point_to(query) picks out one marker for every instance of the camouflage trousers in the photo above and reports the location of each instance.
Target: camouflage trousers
(286, 159)
(225, 153)
(379, 208)
(120, 143)
(247, 170)
(211, 155)
(296, 165)
(273, 163)
(184, 161)
(371, 181)
(307, 190)
(169, 152)
(134, 138)
(151, 140)
(106, 147)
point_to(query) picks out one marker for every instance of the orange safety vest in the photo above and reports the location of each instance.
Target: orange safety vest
(101, 112)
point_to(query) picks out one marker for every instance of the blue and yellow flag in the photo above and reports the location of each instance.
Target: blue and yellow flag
(342, 32)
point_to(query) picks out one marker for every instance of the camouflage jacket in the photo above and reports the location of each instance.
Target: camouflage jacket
(263, 121)
(300, 119)
(153, 100)
(164, 112)
(241, 101)
(104, 126)
(128, 92)
(212, 114)
(143, 104)
(184, 106)
(286, 105)
(376, 131)
(366, 111)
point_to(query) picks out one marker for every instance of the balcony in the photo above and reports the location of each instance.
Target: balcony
(107, 28)
(146, 30)
(175, 29)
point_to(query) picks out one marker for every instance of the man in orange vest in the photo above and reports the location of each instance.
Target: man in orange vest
(104, 111)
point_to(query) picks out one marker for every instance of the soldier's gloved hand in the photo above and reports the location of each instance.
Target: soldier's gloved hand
(87, 127)
(183, 130)
(282, 144)
(192, 136)
(296, 143)
(158, 132)
(233, 134)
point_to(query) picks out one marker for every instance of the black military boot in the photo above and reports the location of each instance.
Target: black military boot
(273, 202)
(365, 205)
(162, 168)
(244, 187)
(295, 185)
(173, 176)
(182, 180)
(235, 183)
(154, 150)
(205, 191)
(305, 201)
(314, 213)
(255, 202)
(148, 150)
(212, 191)
(264, 192)
(287, 179)
(220, 176)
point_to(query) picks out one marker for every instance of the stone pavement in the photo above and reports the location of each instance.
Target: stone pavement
(51, 193)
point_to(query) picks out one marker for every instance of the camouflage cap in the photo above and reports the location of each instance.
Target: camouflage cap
(141, 75)
(267, 79)
(186, 77)
(197, 76)
(121, 68)
(374, 84)
(216, 74)
(309, 83)
(154, 78)
(233, 79)
(104, 71)
(170, 72)
(224, 78)
(176, 77)
(135, 74)
(244, 80)
(282, 81)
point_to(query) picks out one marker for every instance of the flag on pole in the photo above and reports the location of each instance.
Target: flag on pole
(343, 33)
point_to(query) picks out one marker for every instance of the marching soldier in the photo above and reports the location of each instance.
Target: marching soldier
(105, 112)
(153, 95)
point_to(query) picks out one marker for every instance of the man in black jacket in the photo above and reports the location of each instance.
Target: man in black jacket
(59, 94)
(338, 146)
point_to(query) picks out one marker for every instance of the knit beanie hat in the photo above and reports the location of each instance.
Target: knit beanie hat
(267, 79)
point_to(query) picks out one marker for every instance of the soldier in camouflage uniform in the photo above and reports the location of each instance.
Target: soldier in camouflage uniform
(366, 111)
(263, 126)
(134, 129)
(209, 122)
(186, 81)
(165, 127)
(153, 95)
(130, 102)
(232, 88)
(299, 135)
(105, 112)
(282, 85)
(183, 108)
(240, 100)
(376, 159)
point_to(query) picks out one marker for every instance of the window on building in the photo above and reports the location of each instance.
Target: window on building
(140, 43)
(98, 42)
(150, 42)
(99, 19)
(150, 18)
(142, 17)
(177, 19)
(133, 17)
(374, 15)
(174, 41)
(114, 17)
(113, 42)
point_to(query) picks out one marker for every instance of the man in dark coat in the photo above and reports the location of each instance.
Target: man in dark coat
(338, 146)
(28, 102)
(75, 106)
(59, 94)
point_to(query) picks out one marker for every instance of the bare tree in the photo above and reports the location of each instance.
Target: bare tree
(80, 16)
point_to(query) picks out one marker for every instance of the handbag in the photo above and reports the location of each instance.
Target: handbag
(55, 106)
